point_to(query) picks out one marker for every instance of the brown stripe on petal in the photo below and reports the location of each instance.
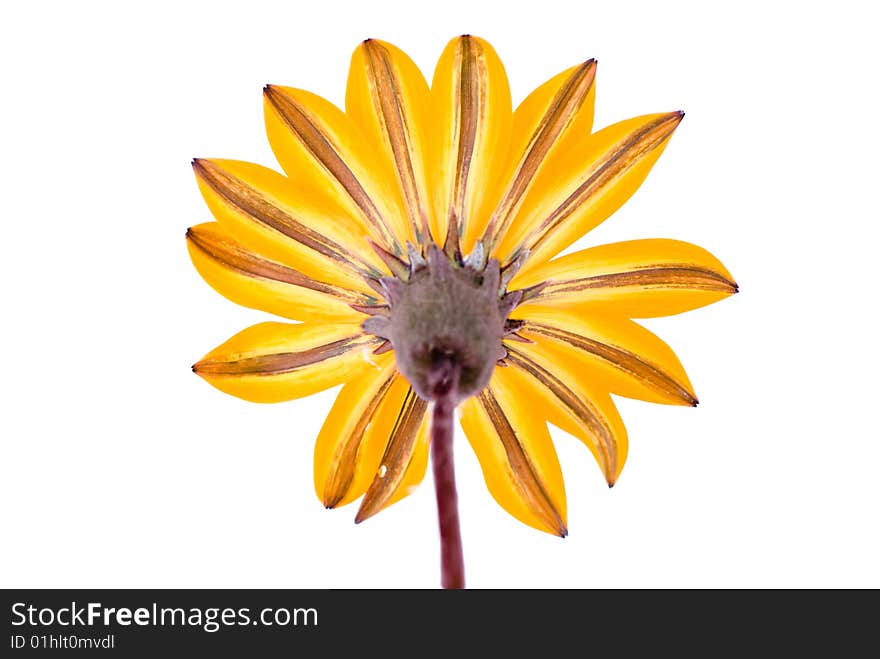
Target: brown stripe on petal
(524, 478)
(383, 347)
(581, 409)
(612, 165)
(561, 111)
(345, 459)
(670, 276)
(452, 243)
(397, 457)
(388, 98)
(398, 267)
(253, 203)
(230, 254)
(468, 97)
(623, 360)
(283, 362)
(373, 309)
(321, 146)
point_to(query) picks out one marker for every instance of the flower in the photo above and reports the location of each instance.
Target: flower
(413, 238)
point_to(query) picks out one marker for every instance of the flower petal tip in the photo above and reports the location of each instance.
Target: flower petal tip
(271, 93)
(562, 532)
(199, 368)
(672, 120)
(364, 513)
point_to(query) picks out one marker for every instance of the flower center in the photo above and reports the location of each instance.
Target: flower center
(445, 322)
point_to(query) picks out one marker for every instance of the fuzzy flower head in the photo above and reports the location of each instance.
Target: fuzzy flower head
(414, 237)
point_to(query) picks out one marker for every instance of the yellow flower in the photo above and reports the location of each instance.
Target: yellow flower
(414, 237)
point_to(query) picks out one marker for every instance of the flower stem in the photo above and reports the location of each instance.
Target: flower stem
(442, 432)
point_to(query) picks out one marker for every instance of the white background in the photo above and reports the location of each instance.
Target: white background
(120, 468)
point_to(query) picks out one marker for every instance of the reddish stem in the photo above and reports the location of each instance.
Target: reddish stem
(442, 432)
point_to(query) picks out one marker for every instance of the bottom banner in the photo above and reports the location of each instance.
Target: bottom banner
(410, 622)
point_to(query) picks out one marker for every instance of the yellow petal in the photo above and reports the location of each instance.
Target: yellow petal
(417, 467)
(259, 283)
(401, 420)
(625, 357)
(587, 183)
(553, 116)
(569, 399)
(636, 279)
(387, 98)
(349, 450)
(516, 453)
(273, 362)
(470, 106)
(261, 210)
(322, 149)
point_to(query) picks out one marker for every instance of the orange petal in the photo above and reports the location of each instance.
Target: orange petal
(401, 419)
(516, 453)
(565, 396)
(587, 183)
(471, 116)
(323, 150)
(260, 283)
(636, 279)
(550, 118)
(261, 210)
(349, 450)
(273, 362)
(387, 97)
(625, 357)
